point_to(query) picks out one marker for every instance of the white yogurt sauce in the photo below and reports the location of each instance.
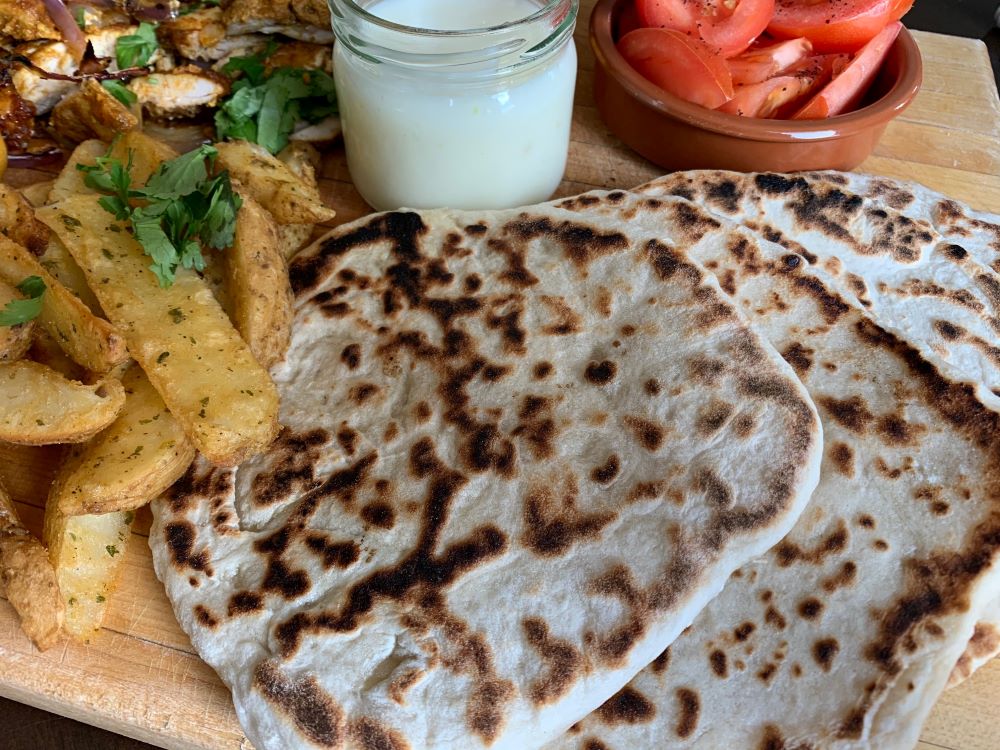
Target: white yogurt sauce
(427, 141)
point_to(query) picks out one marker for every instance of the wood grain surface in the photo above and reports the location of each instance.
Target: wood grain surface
(140, 677)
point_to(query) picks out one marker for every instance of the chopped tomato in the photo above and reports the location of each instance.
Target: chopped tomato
(726, 27)
(848, 88)
(732, 34)
(679, 64)
(899, 9)
(832, 25)
(758, 64)
(629, 20)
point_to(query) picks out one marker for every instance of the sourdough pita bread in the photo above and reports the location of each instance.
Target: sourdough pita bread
(521, 452)
(925, 266)
(845, 633)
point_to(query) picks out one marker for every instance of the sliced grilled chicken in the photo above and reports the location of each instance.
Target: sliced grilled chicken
(301, 55)
(181, 93)
(91, 112)
(26, 20)
(53, 57)
(201, 35)
(321, 132)
(305, 20)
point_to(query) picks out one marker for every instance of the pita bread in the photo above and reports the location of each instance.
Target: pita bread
(521, 452)
(845, 633)
(982, 647)
(924, 266)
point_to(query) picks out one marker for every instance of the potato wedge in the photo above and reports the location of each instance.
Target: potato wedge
(18, 222)
(37, 194)
(134, 460)
(87, 553)
(28, 579)
(91, 341)
(70, 179)
(57, 260)
(38, 406)
(147, 154)
(272, 184)
(14, 340)
(257, 284)
(45, 351)
(293, 237)
(181, 337)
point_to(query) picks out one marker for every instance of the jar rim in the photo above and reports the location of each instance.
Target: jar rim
(542, 12)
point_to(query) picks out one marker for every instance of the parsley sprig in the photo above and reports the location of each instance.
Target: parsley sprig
(179, 209)
(264, 107)
(118, 90)
(136, 50)
(19, 311)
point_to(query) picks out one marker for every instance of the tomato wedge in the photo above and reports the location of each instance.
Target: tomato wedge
(832, 25)
(756, 65)
(899, 9)
(679, 64)
(726, 30)
(847, 89)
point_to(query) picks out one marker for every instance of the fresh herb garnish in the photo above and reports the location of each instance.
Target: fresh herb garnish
(80, 16)
(136, 50)
(19, 311)
(178, 209)
(264, 107)
(118, 90)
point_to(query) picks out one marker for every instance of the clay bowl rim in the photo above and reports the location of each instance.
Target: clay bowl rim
(892, 103)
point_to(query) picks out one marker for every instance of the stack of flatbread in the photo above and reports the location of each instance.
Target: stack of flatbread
(714, 463)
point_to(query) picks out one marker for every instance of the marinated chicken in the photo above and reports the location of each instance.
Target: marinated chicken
(91, 112)
(201, 35)
(18, 222)
(305, 20)
(301, 55)
(42, 92)
(26, 20)
(180, 93)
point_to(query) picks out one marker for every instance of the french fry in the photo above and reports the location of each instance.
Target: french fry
(28, 578)
(273, 184)
(14, 340)
(180, 336)
(127, 465)
(87, 553)
(38, 406)
(257, 284)
(91, 341)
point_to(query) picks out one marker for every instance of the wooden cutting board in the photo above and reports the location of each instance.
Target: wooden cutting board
(140, 676)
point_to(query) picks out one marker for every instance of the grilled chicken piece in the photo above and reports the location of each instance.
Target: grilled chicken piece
(180, 93)
(301, 55)
(305, 20)
(26, 20)
(43, 93)
(18, 222)
(91, 112)
(17, 117)
(201, 35)
(324, 131)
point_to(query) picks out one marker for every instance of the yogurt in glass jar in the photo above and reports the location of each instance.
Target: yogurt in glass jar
(457, 103)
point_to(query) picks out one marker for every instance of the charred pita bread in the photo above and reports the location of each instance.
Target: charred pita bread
(844, 634)
(521, 452)
(982, 647)
(926, 267)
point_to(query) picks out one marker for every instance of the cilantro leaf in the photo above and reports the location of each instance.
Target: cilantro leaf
(178, 210)
(136, 50)
(118, 90)
(264, 108)
(19, 311)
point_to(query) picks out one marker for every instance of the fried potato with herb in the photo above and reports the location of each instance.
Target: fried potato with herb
(70, 179)
(87, 553)
(272, 183)
(91, 341)
(14, 339)
(146, 153)
(127, 465)
(57, 260)
(45, 351)
(28, 579)
(18, 222)
(180, 336)
(302, 159)
(38, 406)
(257, 287)
(37, 194)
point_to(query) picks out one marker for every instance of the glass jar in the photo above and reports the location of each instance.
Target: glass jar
(464, 118)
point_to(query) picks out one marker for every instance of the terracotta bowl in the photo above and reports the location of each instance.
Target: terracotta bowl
(676, 134)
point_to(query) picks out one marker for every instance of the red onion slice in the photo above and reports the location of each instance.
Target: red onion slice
(73, 35)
